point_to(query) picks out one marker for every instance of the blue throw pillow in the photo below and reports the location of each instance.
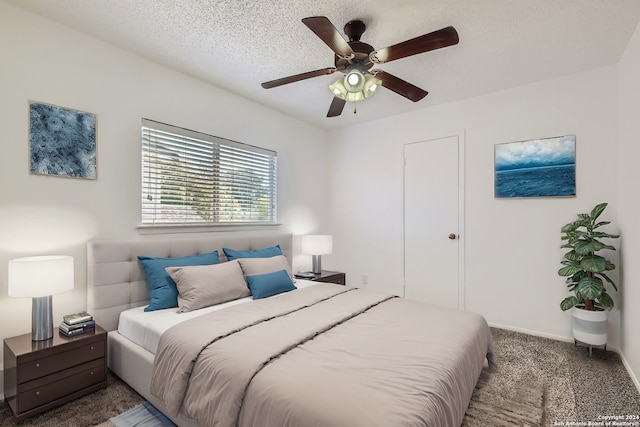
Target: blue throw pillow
(266, 285)
(256, 253)
(163, 292)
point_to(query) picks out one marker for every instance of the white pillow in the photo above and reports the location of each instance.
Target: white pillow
(205, 285)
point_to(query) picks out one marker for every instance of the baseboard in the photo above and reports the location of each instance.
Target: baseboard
(626, 365)
(531, 332)
(630, 371)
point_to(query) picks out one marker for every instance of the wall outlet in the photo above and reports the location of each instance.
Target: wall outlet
(365, 279)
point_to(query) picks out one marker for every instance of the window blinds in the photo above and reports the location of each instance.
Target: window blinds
(193, 178)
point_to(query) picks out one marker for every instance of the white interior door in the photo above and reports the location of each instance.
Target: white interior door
(433, 198)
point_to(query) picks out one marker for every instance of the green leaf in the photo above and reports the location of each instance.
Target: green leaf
(600, 224)
(573, 256)
(572, 286)
(584, 247)
(606, 301)
(568, 303)
(585, 217)
(602, 235)
(580, 233)
(569, 270)
(590, 287)
(595, 213)
(572, 226)
(579, 275)
(593, 263)
(609, 281)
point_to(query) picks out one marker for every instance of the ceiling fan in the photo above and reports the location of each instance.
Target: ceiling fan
(355, 59)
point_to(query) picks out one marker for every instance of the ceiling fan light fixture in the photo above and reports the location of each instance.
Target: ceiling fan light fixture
(354, 81)
(367, 84)
(338, 89)
(371, 85)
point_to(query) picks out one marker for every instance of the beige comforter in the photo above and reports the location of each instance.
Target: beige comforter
(323, 356)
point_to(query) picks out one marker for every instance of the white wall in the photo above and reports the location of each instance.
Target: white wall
(512, 249)
(43, 61)
(629, 177)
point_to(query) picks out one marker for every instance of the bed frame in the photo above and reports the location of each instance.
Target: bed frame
(115, 282)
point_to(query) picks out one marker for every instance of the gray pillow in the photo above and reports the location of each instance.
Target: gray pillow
(205, 285)
(253, 266)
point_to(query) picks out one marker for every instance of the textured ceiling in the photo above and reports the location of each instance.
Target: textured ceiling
(237, 44)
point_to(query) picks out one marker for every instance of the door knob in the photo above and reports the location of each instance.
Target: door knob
(452, 236)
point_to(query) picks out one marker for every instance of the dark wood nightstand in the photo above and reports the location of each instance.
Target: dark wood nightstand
(39, 375)
(329, 277)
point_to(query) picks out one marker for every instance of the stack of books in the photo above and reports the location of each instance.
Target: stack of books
(77, 323)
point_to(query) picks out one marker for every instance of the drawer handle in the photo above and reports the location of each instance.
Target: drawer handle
(37, 365)
(91, 348)
(37, 393)
(91, 372)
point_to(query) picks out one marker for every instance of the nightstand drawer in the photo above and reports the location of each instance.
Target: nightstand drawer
(44, 390)
(47, 365)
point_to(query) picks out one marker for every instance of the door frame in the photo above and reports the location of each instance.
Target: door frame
(461, 136)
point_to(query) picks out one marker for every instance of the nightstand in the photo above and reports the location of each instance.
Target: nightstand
(330, 277)
(39, 375)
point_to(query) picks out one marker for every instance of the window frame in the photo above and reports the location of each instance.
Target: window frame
(234, 165)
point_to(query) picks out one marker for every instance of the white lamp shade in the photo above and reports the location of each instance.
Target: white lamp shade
(40, 276)
(317, 244)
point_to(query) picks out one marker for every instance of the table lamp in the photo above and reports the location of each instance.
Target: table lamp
(40, 277)
(316, 246)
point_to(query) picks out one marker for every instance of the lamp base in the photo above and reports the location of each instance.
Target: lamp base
(41, 318)
(316, 264)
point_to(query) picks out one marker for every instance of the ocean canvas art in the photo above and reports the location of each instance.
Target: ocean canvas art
(536, 168)
(62, 142)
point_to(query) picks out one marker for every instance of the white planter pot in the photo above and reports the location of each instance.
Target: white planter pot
(590, 327)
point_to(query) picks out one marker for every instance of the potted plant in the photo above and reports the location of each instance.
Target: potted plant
(585, 270)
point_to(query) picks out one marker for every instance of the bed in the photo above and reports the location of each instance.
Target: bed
(321, 355)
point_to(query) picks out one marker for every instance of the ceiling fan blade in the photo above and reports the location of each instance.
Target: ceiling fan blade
(324, 29)
(401, 87)
(337, 105)
(438, 39)
(298, 77)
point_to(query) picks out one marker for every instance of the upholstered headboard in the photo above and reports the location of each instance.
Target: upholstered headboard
(115, 279)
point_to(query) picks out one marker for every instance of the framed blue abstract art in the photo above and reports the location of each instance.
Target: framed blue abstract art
(536, 168)
(62, 142)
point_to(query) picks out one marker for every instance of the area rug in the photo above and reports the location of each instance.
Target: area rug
(499, 408)
(143, 415)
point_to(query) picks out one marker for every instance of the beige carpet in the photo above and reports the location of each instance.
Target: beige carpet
(538, 382)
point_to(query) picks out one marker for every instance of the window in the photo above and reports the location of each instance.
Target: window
(197, 179)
